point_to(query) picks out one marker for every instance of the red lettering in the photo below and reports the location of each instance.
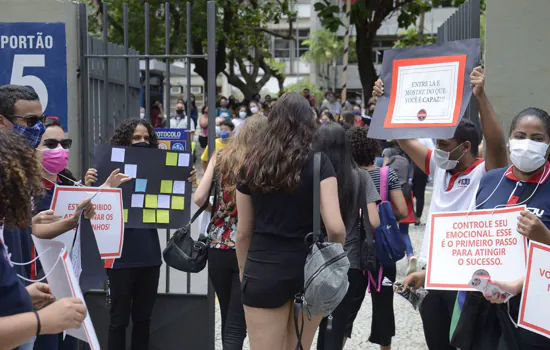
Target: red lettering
(544, 273)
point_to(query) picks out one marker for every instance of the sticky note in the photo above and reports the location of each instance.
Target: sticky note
(117, 155)
(178, 202)
(166, 186)
(183, 159)
(179, 187)
(137, 200)
(125, 215)
(130, 170)
(171, 159)
(163, 216)
(149, 216)
(164, 201)
(141, 185)
(151, 201)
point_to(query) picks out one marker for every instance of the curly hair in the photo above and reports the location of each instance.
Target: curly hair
(363, 149)
(231, 158)
(275, 159)
(20, 180)
(125, 131)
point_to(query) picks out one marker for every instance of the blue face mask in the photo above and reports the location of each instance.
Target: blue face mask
(242, 115)
(224, 135)
(33, 134)
(356, 112)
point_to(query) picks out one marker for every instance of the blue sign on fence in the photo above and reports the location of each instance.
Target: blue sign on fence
(172, 139)
(35, 55)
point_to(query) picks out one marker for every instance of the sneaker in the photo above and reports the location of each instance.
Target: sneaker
(412, 265)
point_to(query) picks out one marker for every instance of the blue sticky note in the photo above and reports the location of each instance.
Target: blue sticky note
(141, 185)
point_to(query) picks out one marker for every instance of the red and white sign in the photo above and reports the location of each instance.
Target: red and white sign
(535, 306)
(63, 283)
(460, 243)
(108, 222)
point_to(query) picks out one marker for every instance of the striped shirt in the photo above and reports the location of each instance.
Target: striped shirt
(393, 179)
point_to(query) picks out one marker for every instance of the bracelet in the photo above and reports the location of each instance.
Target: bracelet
(38, 325)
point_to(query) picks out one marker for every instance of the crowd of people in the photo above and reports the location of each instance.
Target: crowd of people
(260, 185)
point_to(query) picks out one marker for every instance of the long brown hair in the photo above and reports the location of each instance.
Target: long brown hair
(20, 180)
(276, 157)
(231, 159)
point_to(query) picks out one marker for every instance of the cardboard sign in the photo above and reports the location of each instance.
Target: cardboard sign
(427, 90)
(64, 284)
(534, 307)
(107, 224)
(460, 243)
(159, 194)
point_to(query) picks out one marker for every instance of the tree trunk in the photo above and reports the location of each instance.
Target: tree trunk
(367, 72)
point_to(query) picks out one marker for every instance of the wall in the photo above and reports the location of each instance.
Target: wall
(516, 56)
(55, 11)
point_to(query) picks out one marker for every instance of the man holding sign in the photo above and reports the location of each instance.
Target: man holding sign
(456, 171)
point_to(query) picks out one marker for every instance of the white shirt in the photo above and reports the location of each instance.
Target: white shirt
(450, 192)
(429, 143)
(181, 123)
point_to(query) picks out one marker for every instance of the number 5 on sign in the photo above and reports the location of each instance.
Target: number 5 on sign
(18, 77)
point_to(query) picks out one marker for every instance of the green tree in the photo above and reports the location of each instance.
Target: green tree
(412, 37)
(325, 47)
(242, 34)
(305, 84)
(368, 16)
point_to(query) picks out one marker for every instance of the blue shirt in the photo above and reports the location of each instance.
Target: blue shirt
(14, 298)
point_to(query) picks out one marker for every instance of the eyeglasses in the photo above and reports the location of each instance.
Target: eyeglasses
(53, 143)
(30, 120)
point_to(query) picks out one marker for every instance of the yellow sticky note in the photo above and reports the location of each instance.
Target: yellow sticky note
(178, 202)
(171, 159)
(151, 201)
(149, 216)
(166, 186)
(163, 216)
(125, 215)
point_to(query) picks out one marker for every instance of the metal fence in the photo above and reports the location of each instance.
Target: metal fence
(463, 24)
(110, 86)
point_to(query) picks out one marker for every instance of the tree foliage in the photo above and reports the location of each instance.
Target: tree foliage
(325, 47)
(242, 34)
(368, 16)
(412, 37)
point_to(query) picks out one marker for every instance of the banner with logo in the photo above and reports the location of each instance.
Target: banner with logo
(427, 90)
(172, 139)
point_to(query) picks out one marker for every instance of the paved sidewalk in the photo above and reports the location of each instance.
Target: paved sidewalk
(409, 333)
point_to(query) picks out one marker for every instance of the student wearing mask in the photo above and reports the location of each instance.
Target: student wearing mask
(223, 269)
(242, 114)
(179, 118)
(223, 112)
(19, 324)
(332, 103)
(254, 108)
(275, 203)
(327, 117)
(224, 131)
(364, 151)
(524, 182)
(356, 190)
(141, 113)
(456, 171)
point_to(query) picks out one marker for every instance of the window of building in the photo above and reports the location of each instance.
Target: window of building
(281, 47)
(303, 34)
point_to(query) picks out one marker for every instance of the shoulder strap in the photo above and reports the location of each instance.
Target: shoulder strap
(363, 175)
(207, 202)
(317, 197)
(384, 179)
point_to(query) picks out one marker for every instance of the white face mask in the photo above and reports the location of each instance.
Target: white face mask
(441, 159)
(254, 110)
(141, 115)
(527, 155)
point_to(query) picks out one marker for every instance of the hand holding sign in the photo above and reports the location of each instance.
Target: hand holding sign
(45, 217)
(115, 179)
(85, 206)
(40, 294)
(513, 288)
(531, 227)
(68, 313)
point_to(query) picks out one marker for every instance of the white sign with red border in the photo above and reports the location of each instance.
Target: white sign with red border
(108, 222)
(460, 243)
(535, 306)
(63, 284)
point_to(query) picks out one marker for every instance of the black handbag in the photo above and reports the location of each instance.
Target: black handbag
(182, 252)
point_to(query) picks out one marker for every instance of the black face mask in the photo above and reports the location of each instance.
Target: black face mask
(141, 145)
(179, 111)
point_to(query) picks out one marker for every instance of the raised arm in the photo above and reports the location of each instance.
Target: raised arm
(414, 149)
(203, 191)
(495, 142)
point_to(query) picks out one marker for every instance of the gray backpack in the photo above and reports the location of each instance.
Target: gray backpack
(326, 269)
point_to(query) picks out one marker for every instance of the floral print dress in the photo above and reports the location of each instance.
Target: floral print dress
(223, 225)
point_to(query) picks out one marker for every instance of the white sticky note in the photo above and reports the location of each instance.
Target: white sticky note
(183, 159)
(164, 201)
(179, 187)
(130, 170)
(137, 200)
(117, 155)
